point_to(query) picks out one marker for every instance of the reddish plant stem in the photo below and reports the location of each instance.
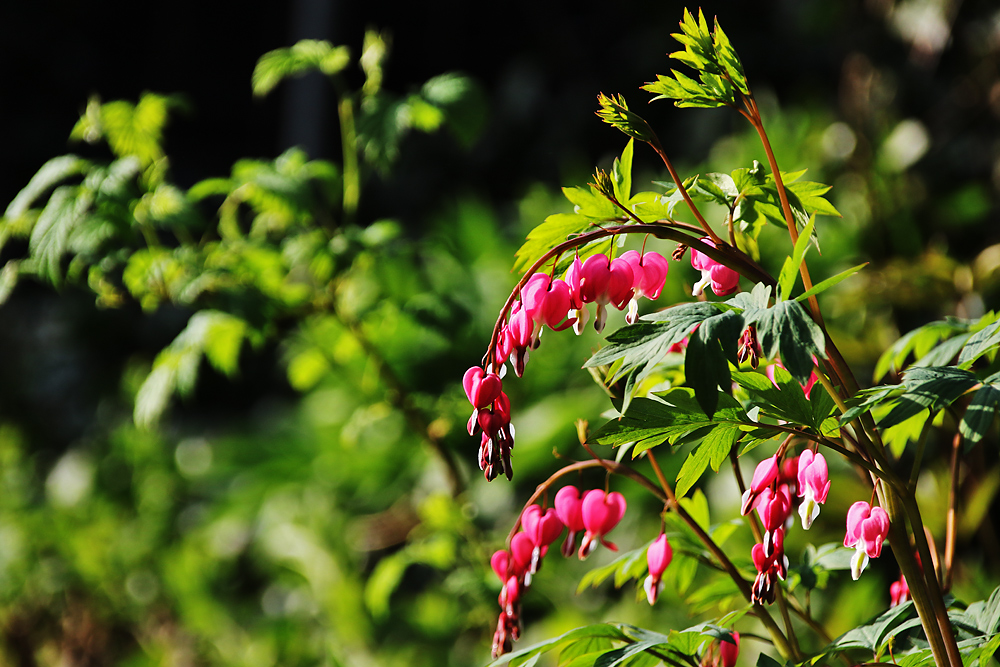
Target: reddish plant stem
(951, 519)
(655, 144)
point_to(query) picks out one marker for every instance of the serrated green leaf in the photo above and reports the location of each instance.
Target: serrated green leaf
(621, 174)
(787, 330)
(615, 112)
(51, 173)
(928, 389)
(548, 235)
(978, 417)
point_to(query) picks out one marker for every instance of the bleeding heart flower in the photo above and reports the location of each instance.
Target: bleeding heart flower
(649, 273)
(569, 508)
(763, 476)
(547, 301)
(658, 557)
(481, 388)
(722, 279)
(899, 592)
(602, 281)
(867, 528)
(814, 485)
(601, 513)
(543, 528)
(729, 650)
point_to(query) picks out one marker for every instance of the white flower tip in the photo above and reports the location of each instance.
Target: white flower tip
(808, 511)
(858, 564)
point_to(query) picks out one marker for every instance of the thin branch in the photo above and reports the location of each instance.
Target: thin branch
(684, 193)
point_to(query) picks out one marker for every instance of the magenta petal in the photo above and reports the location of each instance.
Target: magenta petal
(857, 513)
(569, 507)
(654, 274)
(765, 474)
(521, 547)
(470, 381)
(658, 556)
(500, 563)
(530, 518)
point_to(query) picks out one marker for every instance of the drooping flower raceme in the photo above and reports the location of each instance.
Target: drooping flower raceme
(722, 279)
(814, 484)
(601, 512)
(601, 281)
(867, 528)
(658, 557)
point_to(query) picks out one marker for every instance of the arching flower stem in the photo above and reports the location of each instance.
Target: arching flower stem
(725, 254)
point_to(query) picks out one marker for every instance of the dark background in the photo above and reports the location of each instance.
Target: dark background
(541, 65)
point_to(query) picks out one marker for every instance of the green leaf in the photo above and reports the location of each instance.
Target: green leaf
(615, 112)
(649, 422)
(786, 330)
(621, 174)
(556, 229)
(790, 270)
(130, 129)
(52, 172)
(786, 401)
(629, 565)
(930, 389)
(214, 334)
(65, 210)
(728, 59)
(978, 417)
(829, 282)
(642, 345)
(519, 657)
(922, 340)
(710, 349)
(305, 55)
(980, 343)
(713, 450)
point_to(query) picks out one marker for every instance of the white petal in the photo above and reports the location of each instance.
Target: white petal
(858, 563)
(808, 511)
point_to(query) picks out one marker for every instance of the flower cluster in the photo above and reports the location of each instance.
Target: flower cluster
(551, 302)
(596, 513)
(774, 489)
(491, 416)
